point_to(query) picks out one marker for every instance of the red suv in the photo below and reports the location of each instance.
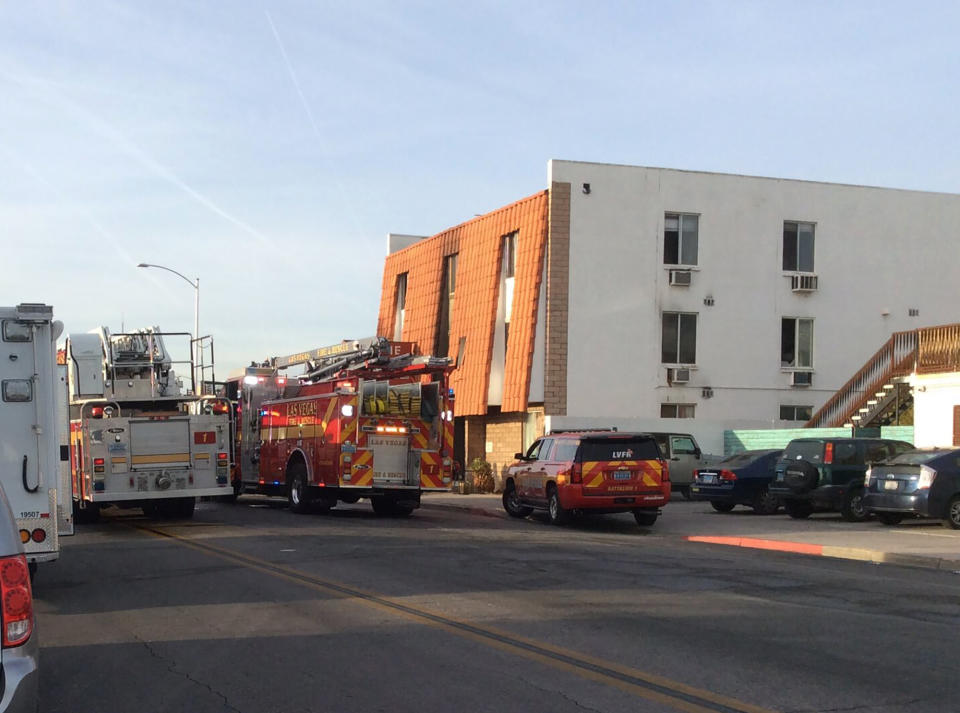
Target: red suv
(599, 471)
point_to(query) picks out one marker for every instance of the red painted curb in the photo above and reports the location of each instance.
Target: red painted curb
(776, 545)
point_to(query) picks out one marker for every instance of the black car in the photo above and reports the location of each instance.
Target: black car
(741, 479)
(916, 484)
(828, 474)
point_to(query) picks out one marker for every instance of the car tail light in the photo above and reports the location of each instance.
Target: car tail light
(576, 473)
(38, 535)
(17, 600)
(828, 453)
(727, 475)
(927, 476)
(664, 471)
(96, 412)
(221, 459)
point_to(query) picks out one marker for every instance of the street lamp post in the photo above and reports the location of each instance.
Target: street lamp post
(194, 343)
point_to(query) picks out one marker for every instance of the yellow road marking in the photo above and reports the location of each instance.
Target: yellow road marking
(640, 683)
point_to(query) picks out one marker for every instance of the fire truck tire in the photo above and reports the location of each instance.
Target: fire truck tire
(151, 508)
(382, 506)
(184, 508)
(297, 494)
(402, 510)
(350, 499)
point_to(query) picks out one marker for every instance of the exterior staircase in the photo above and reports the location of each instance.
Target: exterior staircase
(875, 388)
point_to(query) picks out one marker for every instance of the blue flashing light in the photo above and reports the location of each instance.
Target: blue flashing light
(276, 482)
(450, 393)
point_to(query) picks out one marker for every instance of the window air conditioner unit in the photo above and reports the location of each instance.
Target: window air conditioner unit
(681, 278)
(803, 283)
(801, 378)
(679, 376)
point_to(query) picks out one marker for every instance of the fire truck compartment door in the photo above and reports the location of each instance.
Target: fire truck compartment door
(155, 444)
(390, 459)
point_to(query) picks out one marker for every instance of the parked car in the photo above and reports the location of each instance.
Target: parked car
(684, 455)
(595, 471)
(741, 479)
(916, 484)
(828, 474)
(19, 659)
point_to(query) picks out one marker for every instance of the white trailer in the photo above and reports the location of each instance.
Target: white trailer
(138, 437)
(34, 458)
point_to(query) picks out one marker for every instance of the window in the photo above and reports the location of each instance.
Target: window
(680, 236)
(446, 304)
(679, 338)
(684, 445)
(796, 342)
(795, 413)
(798, 246)
(401, 308)
(677, 411)
(844, 453)
(539, 450)
(510, 254)
(614, 449)
(565, 451)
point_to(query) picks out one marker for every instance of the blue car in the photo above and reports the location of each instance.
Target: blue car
(740, 479)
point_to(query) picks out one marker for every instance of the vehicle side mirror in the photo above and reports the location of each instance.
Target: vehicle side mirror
(697, 452)
(519, 456)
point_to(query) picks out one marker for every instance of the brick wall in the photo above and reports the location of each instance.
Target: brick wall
(558, 282)
(505, 434)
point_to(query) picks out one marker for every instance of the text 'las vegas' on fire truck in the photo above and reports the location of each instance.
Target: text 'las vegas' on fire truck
(365, 419)
(138, 438)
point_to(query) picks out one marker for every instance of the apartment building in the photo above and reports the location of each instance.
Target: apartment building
(659, 299)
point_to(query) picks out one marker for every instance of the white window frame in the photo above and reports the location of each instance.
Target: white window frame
(680, 364)
(688, 410)
(680, 216)
(813, 251)
(400, 309)
(796, 344)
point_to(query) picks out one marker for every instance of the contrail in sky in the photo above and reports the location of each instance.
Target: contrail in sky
(110, 133)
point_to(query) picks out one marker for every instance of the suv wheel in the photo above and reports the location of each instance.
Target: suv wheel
(764, 503)
(645, 518)
(953, 513)
(853, 509)
(798, 509)
(512, 504)
(558, 515)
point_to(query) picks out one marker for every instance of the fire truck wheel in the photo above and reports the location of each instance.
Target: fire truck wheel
(185, 507)
(151, 508)
(297, 494)
(350, 499)
(382, 506)
(402, 510)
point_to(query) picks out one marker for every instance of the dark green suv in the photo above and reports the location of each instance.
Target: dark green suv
(827, 474)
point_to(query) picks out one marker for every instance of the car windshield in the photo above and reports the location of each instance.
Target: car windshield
(916, 457)
(804, 450)
(602, 449)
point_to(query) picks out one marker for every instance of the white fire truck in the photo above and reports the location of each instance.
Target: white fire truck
(366, 419)
(33, 465)
(138, 438)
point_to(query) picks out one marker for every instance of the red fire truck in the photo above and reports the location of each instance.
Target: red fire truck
(366, 419)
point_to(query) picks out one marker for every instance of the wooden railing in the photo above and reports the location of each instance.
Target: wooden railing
(927, 350)
(895, 358)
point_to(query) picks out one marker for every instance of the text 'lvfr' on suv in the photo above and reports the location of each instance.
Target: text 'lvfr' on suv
(595, 471)
(828, 474)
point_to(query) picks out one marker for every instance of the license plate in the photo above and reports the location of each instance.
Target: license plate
(708, 479)
(890, 485)
(622, 475)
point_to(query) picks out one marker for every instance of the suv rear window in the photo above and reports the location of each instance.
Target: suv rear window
(810, 451)
(618, 449)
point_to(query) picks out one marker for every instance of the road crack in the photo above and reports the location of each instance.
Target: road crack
(172, 668)
(563, 695)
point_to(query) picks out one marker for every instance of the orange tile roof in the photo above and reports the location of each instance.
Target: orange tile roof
(478, 243)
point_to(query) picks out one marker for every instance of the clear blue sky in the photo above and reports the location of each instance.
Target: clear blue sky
(270, 147)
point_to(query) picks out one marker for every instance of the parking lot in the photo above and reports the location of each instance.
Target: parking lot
(249, 607)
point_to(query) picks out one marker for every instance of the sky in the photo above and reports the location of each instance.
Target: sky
(269, 147)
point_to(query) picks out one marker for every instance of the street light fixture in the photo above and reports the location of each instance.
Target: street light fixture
(194, 343)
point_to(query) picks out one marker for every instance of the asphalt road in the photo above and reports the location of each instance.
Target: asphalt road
(251, 608)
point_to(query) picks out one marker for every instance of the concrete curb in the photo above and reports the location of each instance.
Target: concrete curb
(847, 553)
(464, 508)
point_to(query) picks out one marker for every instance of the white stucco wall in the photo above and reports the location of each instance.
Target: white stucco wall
(934, 397)
(878, 253)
